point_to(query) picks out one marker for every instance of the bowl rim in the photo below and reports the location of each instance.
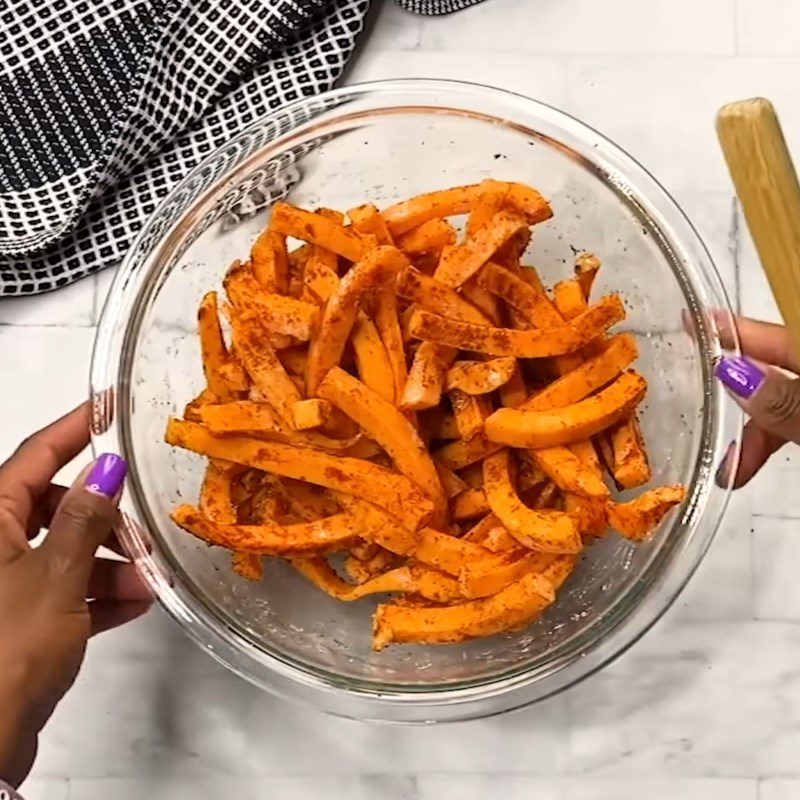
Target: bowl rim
(110, 391)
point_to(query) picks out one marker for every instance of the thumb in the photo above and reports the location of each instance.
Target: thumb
(84, 519)
(769, 396)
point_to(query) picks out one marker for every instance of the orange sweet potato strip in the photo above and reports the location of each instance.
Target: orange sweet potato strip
(591, 375)
(484, 301)
(321, 270)
(241, 416)
(377, 269)
(490, 201)
(310, 413)
(480, 377)
(569, 299)
(459, 454)
(523, 298)
(307, 501)
(631, 465)
(249, 566)
(640, 516)
(427, 376)
(270, 261)
(372, 360)
(492, 575)
(470, 412)
(317, 229)
(381, 421)
(367, 219)
(233, 373)
(587, 266)
(469, 504)
(212, 347)
(394, 492)
(437, 298)
(459, 263)
(451, 483)
(514, 392)
(408, 214)
(430, 237)
(264, 367)
(545, 531)
(567, 471)
(523, 344)
(573, 423)
(216, 502)
(510, 609)
(286, 315)
(388, 324)
(332, 533)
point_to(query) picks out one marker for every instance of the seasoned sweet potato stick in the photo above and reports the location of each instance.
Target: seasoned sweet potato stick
(631, 466)
(430, 237)
(490, 201)
(216, 502)
(638, 517)
(587, 266)
(264, 367)
(241, 416)
(427, 376)
(571, 423)
(492, 575)
(248, 565)
(480, 377)
(372, 360)
(510, 609)
(437, 298)
(532, 304)
(367, 219)
(381, 421)
(377, 269)
(545, 531)
(523, 344)
(320, 230)
(470, 412)
(212, 347)
(326, 535)
(310, 413)
(451, 483)
(459, 263)
(387, 322)
(271, 262)
(387, 489)
(469, 504)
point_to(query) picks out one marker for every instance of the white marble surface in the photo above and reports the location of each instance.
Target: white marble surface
(707, 706)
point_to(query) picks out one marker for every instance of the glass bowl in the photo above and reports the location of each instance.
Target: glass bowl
(383, 142)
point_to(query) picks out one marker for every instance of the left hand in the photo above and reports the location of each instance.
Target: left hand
(55, 596)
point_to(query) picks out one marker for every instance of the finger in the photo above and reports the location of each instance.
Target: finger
(44, 508)
(83, 521)
(762, 341)
(116, 580)
(757, 446)
(771, 398)
(108, 614)
(28, 472)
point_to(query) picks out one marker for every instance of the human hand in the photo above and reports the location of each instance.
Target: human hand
(760, 384)
(55, 596)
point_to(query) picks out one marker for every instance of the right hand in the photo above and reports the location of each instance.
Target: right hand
(759, 383)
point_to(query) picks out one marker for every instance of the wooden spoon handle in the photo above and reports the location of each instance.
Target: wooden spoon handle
(766, 182)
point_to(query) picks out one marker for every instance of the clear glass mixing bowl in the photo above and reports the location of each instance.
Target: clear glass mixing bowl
(382, 142)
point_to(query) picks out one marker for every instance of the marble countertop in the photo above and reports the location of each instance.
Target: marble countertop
(707, 705)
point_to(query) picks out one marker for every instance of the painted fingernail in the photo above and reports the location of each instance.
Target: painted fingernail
(107, 475)
(740, 375)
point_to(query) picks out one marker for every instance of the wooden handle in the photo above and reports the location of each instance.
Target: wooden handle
(766, 182)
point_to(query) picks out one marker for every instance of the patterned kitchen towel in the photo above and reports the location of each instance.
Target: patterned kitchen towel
(107, 104)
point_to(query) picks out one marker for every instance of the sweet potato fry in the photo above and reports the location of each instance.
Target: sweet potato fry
(264, 367)
(387, 322)
(372, 360)
(241, 416)
(396, 493)
(470, 412)
(381, 421)
(567, 471)
(437, 298)
(492, 575)
(249, 566)
(587, 266)
(430, 237)
(570, 424)
(638, 517)
(569, 298)
(271, 262)
(311, 413)
(490, 201)
(523, 344)
(212, 347)
(326, 535)
(319, 230)
(514, 392)
(484, 301)
(367, 219)
(427, 377)
(480, 377)
(216, 502)
(469, 504)
(380, 266)
(451, 483)
(459, 454)
(307, 501)
(459, 263)
(510, 609)
(534, 305)
(631, 466)
(545, 531)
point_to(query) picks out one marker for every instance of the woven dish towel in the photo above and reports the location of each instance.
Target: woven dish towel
(107, 104)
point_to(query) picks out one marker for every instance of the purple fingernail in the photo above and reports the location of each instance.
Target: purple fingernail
(740, 375)
(107, 475)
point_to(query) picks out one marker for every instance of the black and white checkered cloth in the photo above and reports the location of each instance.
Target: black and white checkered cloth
(106, 104)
